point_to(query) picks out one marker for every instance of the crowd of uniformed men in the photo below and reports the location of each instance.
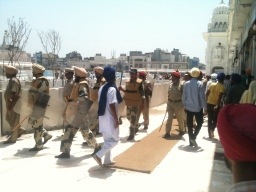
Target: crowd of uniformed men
(192, 93)
(79, 98)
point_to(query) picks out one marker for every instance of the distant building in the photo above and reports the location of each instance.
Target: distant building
(177, 55)
(21, 57)
(194, 62)
(162, 55)
(216, 54)
(122, 64)
(135, 53)
(46, 60)
(139, 60)
(99, 57)
(38, 57)
(158, 60)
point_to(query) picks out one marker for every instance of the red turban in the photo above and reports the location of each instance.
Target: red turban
(237, 131)
(142, 73)
(176, 74)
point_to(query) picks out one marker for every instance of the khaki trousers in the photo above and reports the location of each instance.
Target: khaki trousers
(145, 112)
(13, 119)
(177, 109)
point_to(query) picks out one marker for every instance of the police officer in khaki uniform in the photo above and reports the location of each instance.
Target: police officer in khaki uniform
(174, 105)
(79, 101)
(133, 96)
(93, 121)
(69, 74)
(39, 98)
(11, 96)
(147, 92)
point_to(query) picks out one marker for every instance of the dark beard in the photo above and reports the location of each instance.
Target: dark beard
(77, 79)
(98, 78)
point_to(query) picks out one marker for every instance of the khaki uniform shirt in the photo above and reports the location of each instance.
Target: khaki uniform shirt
(175, 92)
(67, 89)
(13, 86)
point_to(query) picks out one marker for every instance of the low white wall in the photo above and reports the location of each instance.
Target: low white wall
(56, 107)
(160, 94)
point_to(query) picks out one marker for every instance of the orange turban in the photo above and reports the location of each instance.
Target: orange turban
(237, 131)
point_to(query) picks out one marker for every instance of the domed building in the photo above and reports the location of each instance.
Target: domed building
(216, 54)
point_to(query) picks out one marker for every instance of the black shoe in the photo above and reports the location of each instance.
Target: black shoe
(63, 155)
(194, 143)
(9, 142)
(96, 150)
(145, 127)
(35, 149)
(47, 138)
(211, 134)
(167, 136)
(136, 130)
(131, 137)
(182, 133)
(85, 143)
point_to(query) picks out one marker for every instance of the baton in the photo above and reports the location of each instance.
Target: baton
(120, 117)
(163, 121)
(121, 78)
(16, 127)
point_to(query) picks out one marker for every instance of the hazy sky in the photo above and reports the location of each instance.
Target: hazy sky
(120, 26)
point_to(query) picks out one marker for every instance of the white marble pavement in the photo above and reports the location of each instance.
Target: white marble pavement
(183, 168)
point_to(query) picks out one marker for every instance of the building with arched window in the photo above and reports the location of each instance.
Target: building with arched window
(216, 54)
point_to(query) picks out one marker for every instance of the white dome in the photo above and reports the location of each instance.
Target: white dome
(219, 21)
(222, 8)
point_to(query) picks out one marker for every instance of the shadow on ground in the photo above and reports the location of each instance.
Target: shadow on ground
(188, 148)
(101, 173)
(72, 161)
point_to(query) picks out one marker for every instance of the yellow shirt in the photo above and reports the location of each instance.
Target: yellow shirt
(215, 90)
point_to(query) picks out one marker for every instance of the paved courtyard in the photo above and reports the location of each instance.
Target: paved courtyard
(183, 168)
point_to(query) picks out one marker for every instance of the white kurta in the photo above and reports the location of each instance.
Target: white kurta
(106, 126)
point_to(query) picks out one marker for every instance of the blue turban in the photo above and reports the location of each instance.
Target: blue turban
(221, 76)
(109, 73)
(236, 78)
